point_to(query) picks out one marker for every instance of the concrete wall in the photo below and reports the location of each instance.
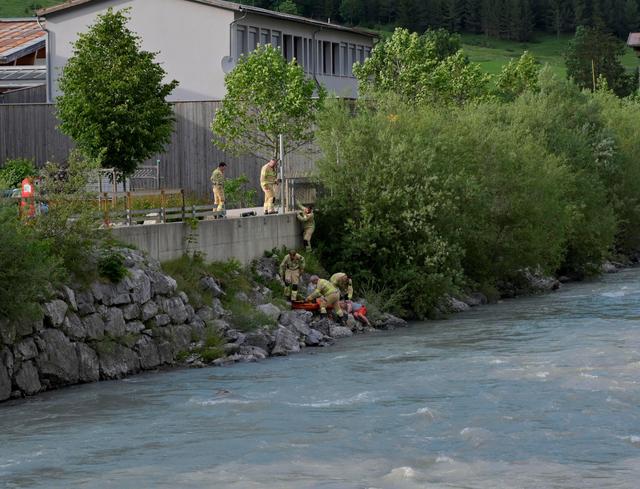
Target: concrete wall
(243, 239)
(191, 39)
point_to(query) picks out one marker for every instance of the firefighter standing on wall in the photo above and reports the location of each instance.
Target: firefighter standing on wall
(291, 269)
(268, 181)
(217, 182)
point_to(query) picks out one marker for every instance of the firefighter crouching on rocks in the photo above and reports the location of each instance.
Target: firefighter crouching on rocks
(217, 182)
(305, 216)
(343, 282)
(268, 181)
(291, 269)
(329, 296)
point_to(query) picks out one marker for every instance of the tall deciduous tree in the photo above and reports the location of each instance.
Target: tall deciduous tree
(266, 97)
(113, 96)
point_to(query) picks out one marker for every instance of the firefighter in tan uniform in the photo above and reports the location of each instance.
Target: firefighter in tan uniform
(291, 269)
(217, 183)
(329, 296)
(344, 283)
(268, 181)
(305, 216)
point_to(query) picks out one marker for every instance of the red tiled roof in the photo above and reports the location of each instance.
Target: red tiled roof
(634, 40)
(17, 36)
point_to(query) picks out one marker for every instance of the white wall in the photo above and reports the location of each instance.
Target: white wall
(191, 38)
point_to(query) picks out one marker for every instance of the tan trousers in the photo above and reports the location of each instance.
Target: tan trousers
(269, 197)
(218, 198)
(292, 277)
(332, 299)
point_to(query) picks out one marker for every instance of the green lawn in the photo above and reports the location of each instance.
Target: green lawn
(492, 54)
(23, 8)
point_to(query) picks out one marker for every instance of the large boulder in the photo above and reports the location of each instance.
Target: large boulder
(260, 339)
(131, 311)
(26, 349)
(285, 342)
(70, 297)
(149, 310)
(340, 332)
(89, 366)
(114, 323)
(84, 301)
(55, 311)
(94, 326)
(266, 267)
(270, 310)
(162, 284)
(181, 337)
(141, 286)
(314, 338)
(27, 379)
(253, 351)
(117, 361)
(295, 322)
(174, 308)
(209, 284)
(5, 383)
(389, 322)
(72, 326)
(57, 361)
(455, 305)
(148, 352)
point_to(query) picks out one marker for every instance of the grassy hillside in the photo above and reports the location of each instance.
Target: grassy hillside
(23, 8)
(492, 54)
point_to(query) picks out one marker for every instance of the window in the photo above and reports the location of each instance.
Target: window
(264, 36)
(297, 50)
(344, 54)
(320, 56)
(335, 59)
(360, 54)
(352, 57)
(276, 39)
(305, 55)
(241, 40)
(287, 43)
(326, 57)
(253, 38)
(367, 53)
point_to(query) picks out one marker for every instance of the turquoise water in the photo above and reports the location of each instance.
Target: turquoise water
(540, 392)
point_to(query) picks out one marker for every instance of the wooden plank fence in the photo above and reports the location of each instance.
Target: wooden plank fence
(30, 131)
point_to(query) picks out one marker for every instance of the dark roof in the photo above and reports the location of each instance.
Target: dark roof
(236, 7)
(634, 40)
(19, 37)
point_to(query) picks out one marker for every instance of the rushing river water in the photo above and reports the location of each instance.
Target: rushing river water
(533, 393)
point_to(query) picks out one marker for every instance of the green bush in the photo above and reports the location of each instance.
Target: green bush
(236, 193)
(14, 171)
(111, 266)
(28, 267)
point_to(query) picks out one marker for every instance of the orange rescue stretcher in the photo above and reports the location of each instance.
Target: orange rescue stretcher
(308, 306)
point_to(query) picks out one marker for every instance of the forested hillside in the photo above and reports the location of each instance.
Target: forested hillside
(505, 19)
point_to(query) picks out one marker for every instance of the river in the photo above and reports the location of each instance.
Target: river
(540, 392)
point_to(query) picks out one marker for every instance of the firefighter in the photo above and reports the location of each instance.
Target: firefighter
(291, 269)
(217, 182)
(268, 181)
(305, 216)
(329, 296)
(344, 283)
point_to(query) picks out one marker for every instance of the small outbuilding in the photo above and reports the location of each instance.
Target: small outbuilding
(634, 41)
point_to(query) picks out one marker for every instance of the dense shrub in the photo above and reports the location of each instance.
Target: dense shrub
(422, 200)
(14, 171)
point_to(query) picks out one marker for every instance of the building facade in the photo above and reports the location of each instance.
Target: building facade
(22, 55)
(199, 41)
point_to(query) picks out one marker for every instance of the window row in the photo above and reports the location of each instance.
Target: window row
(331, 58)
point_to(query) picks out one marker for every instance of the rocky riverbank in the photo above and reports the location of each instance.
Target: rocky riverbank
(107, 331)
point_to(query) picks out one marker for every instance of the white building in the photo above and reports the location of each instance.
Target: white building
(200, 40)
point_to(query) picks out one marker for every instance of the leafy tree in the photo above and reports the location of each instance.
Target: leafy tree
(518, 77)
(287, 7)
(421, 68)
(113, 102)
(266, 97)
(592, 53)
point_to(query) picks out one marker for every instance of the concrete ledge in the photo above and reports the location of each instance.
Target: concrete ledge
(218, 240)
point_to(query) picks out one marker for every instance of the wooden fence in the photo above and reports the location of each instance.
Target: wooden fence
(31, 95)
(30, 131)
